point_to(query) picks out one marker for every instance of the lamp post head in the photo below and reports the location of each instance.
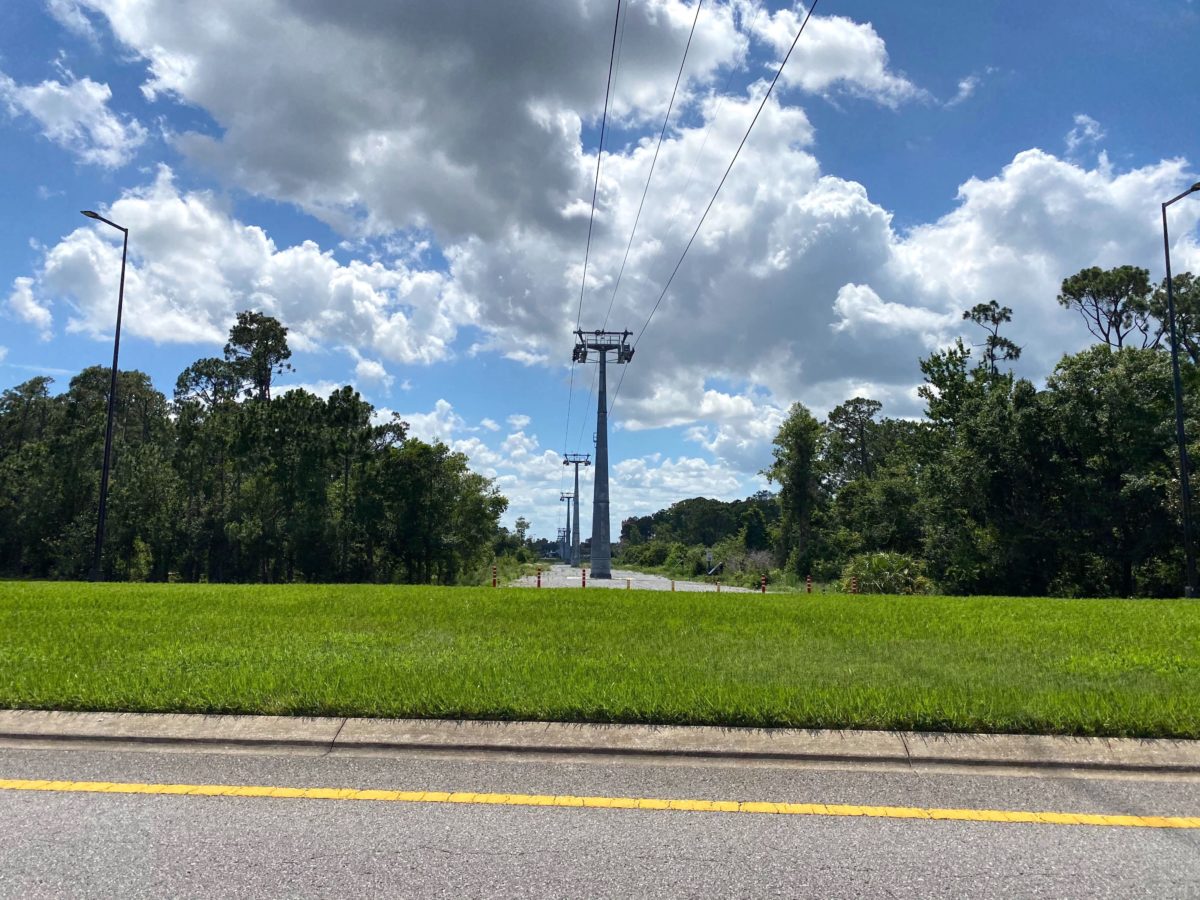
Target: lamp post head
(1195, 187)
(99, 218)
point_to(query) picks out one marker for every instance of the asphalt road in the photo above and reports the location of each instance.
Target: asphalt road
(561, 576)
(55, 844)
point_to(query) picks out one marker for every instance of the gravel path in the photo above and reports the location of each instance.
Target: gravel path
(560, 576)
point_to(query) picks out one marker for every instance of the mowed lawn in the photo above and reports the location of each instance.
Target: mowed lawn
(1107, 667)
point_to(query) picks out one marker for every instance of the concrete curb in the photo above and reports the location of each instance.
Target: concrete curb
(325, 735)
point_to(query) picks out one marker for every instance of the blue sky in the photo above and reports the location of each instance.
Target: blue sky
(407, 188)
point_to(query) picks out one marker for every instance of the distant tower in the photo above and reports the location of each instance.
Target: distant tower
(602, 342)
(568, 497)
(563, 544)
(576, 460)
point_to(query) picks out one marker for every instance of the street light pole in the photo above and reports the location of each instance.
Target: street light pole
(1184, 478)
(96, 573)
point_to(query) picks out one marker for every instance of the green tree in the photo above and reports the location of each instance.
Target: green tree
(28, 427)
(796, 470)
(257, 350)
(1186, 294)
(1114, 450)
(351, 436)
(1114, 303)
(521, 527)
(990, 316)
(849, 447)
(755, 535)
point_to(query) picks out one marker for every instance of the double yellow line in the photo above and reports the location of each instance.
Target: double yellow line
(721, 806)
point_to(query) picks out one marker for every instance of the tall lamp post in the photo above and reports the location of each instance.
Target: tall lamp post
(1184, 480)
(96, 573)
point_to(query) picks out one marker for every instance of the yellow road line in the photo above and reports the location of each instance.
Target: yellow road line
(724, 806)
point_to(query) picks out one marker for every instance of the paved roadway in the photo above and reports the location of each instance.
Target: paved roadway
(558, 576)
(56, 844)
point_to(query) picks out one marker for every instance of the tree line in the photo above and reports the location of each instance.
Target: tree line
(1003, 488)
(225, 482)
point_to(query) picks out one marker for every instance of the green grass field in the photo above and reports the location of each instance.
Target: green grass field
(1095, 667)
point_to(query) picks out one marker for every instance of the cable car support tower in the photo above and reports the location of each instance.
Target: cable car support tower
(601, 343)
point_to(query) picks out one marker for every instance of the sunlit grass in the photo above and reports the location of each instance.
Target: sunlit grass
(1111, 667)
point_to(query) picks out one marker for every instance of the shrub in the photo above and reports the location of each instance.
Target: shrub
(686, 562)
(651, 553)
(886, 573)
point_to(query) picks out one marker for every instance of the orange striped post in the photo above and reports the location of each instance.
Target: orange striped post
(854, 584)
(493, 576)
(718, 585)
(808, 583)
(583, 575)
(763, 584)
(539, 584)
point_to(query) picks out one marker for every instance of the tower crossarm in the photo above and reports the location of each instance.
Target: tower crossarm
(603, 342)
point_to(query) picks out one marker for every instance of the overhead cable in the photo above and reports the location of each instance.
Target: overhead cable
(592, 217)
(721, 184)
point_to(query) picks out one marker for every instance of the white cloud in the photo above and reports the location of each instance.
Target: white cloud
(1014, 237)
(798, 287)
(519, 421)
(26, 308)
(532, 478)
(966, 90)
(1086, 131)
(375, 131)
(861, 312)
(439, 424)
(647, 484)
(836, 52)
(75, 116)
(321, 389)
(3, 353)
(371, 371)
(192, 267)
(69, 14)
(489, 424)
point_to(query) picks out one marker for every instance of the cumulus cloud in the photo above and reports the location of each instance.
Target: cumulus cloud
(371, 371)
(26, 308)
(674, 476)
(1015, 236)
(439, 424)
(75, 115)
(376, 131)
(533, 477)
(193, 266)
(798, 287)
(321, 389)
(861, 312)
(836, 52)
